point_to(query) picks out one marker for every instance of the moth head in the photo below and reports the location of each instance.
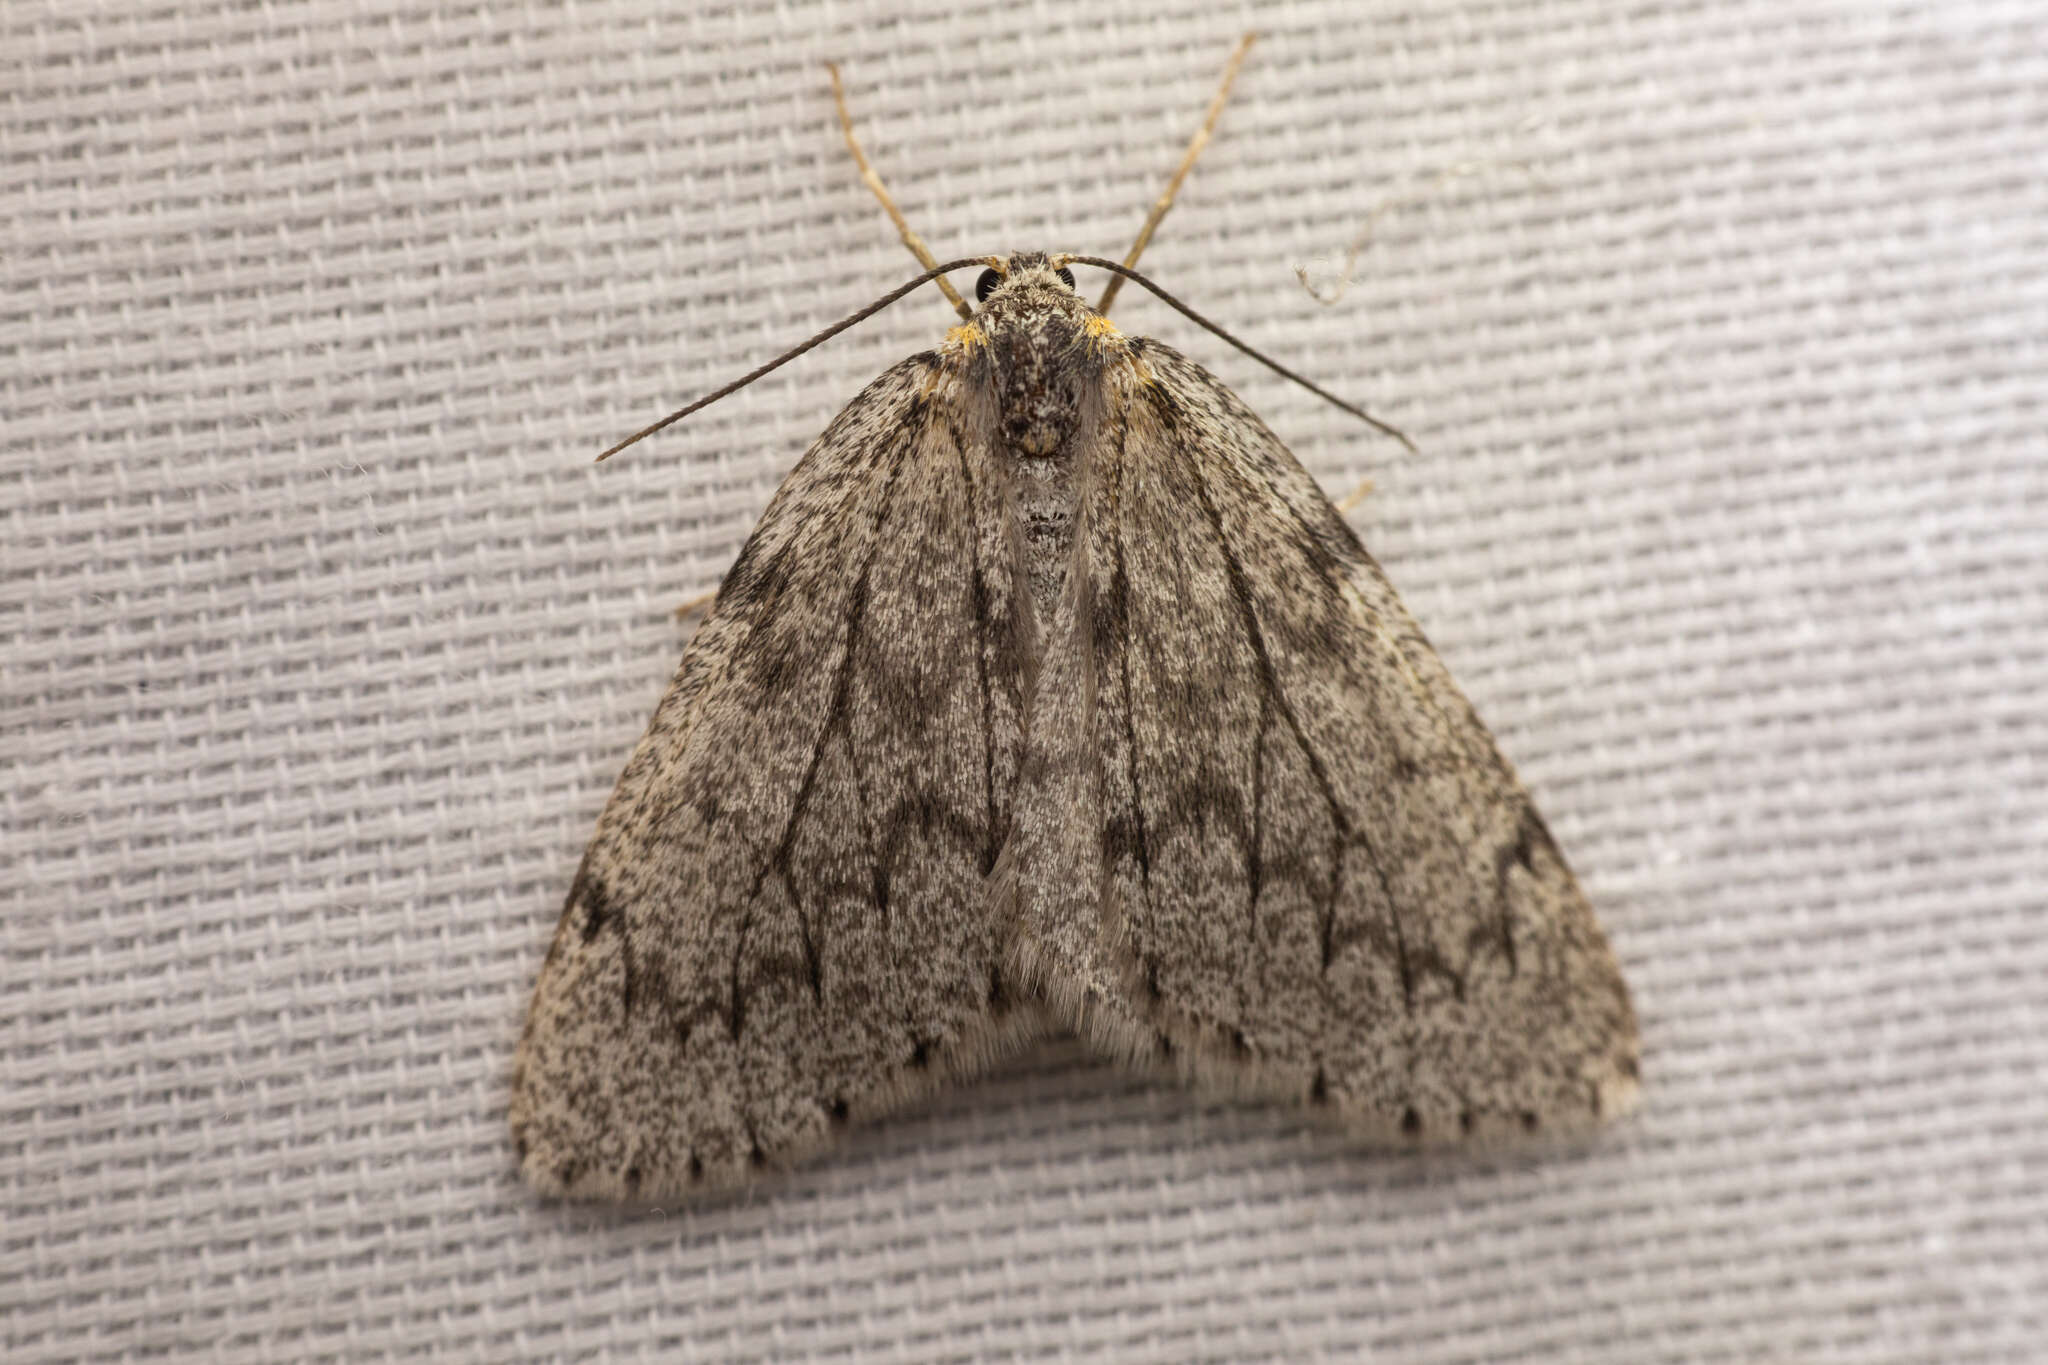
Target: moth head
(1029, 293)
(1044, 348)
(1024, 271)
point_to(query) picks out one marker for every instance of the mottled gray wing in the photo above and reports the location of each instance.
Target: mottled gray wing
(782, 921)
(1262, 835)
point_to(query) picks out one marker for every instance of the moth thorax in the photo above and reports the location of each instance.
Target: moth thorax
(1039, 402)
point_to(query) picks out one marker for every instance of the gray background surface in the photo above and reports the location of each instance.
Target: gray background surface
(322, 642)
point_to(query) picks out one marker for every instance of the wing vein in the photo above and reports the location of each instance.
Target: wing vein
(991, 842)
(1344, 832)
(835, 719)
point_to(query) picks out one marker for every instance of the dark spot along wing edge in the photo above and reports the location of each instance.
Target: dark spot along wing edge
(780, 923)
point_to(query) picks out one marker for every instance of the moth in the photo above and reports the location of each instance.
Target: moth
(1051, 694)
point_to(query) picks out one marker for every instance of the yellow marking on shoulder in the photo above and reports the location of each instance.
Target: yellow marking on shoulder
(937, 375)
(966, 337)
(1100, 328)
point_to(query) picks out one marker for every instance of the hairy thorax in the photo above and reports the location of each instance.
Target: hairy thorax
(1044, 351)
(1044, 488)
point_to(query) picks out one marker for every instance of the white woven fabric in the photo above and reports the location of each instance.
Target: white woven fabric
(322, 643)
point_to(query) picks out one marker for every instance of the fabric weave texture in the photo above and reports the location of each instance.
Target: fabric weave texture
(1720, 329)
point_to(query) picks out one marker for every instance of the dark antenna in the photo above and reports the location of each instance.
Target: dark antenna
(1098, 262)
(1191, 315)
(834, 330)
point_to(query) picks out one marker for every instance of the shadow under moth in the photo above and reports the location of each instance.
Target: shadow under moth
(1051, 694)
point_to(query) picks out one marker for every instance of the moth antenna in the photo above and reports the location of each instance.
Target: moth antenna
(874, 182)
(1192, 316)
(1187, 163)
(834, 330)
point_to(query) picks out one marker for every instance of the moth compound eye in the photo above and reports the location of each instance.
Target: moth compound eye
(986, 285)
(1066, 277)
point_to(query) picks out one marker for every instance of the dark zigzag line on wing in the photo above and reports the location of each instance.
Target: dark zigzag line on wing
(1343, 829)
(1458, 727)
(992, 839)
(777, 861)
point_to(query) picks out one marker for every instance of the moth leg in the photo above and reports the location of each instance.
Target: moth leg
(1187, 163)
(1357, 496)
(685, 610)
